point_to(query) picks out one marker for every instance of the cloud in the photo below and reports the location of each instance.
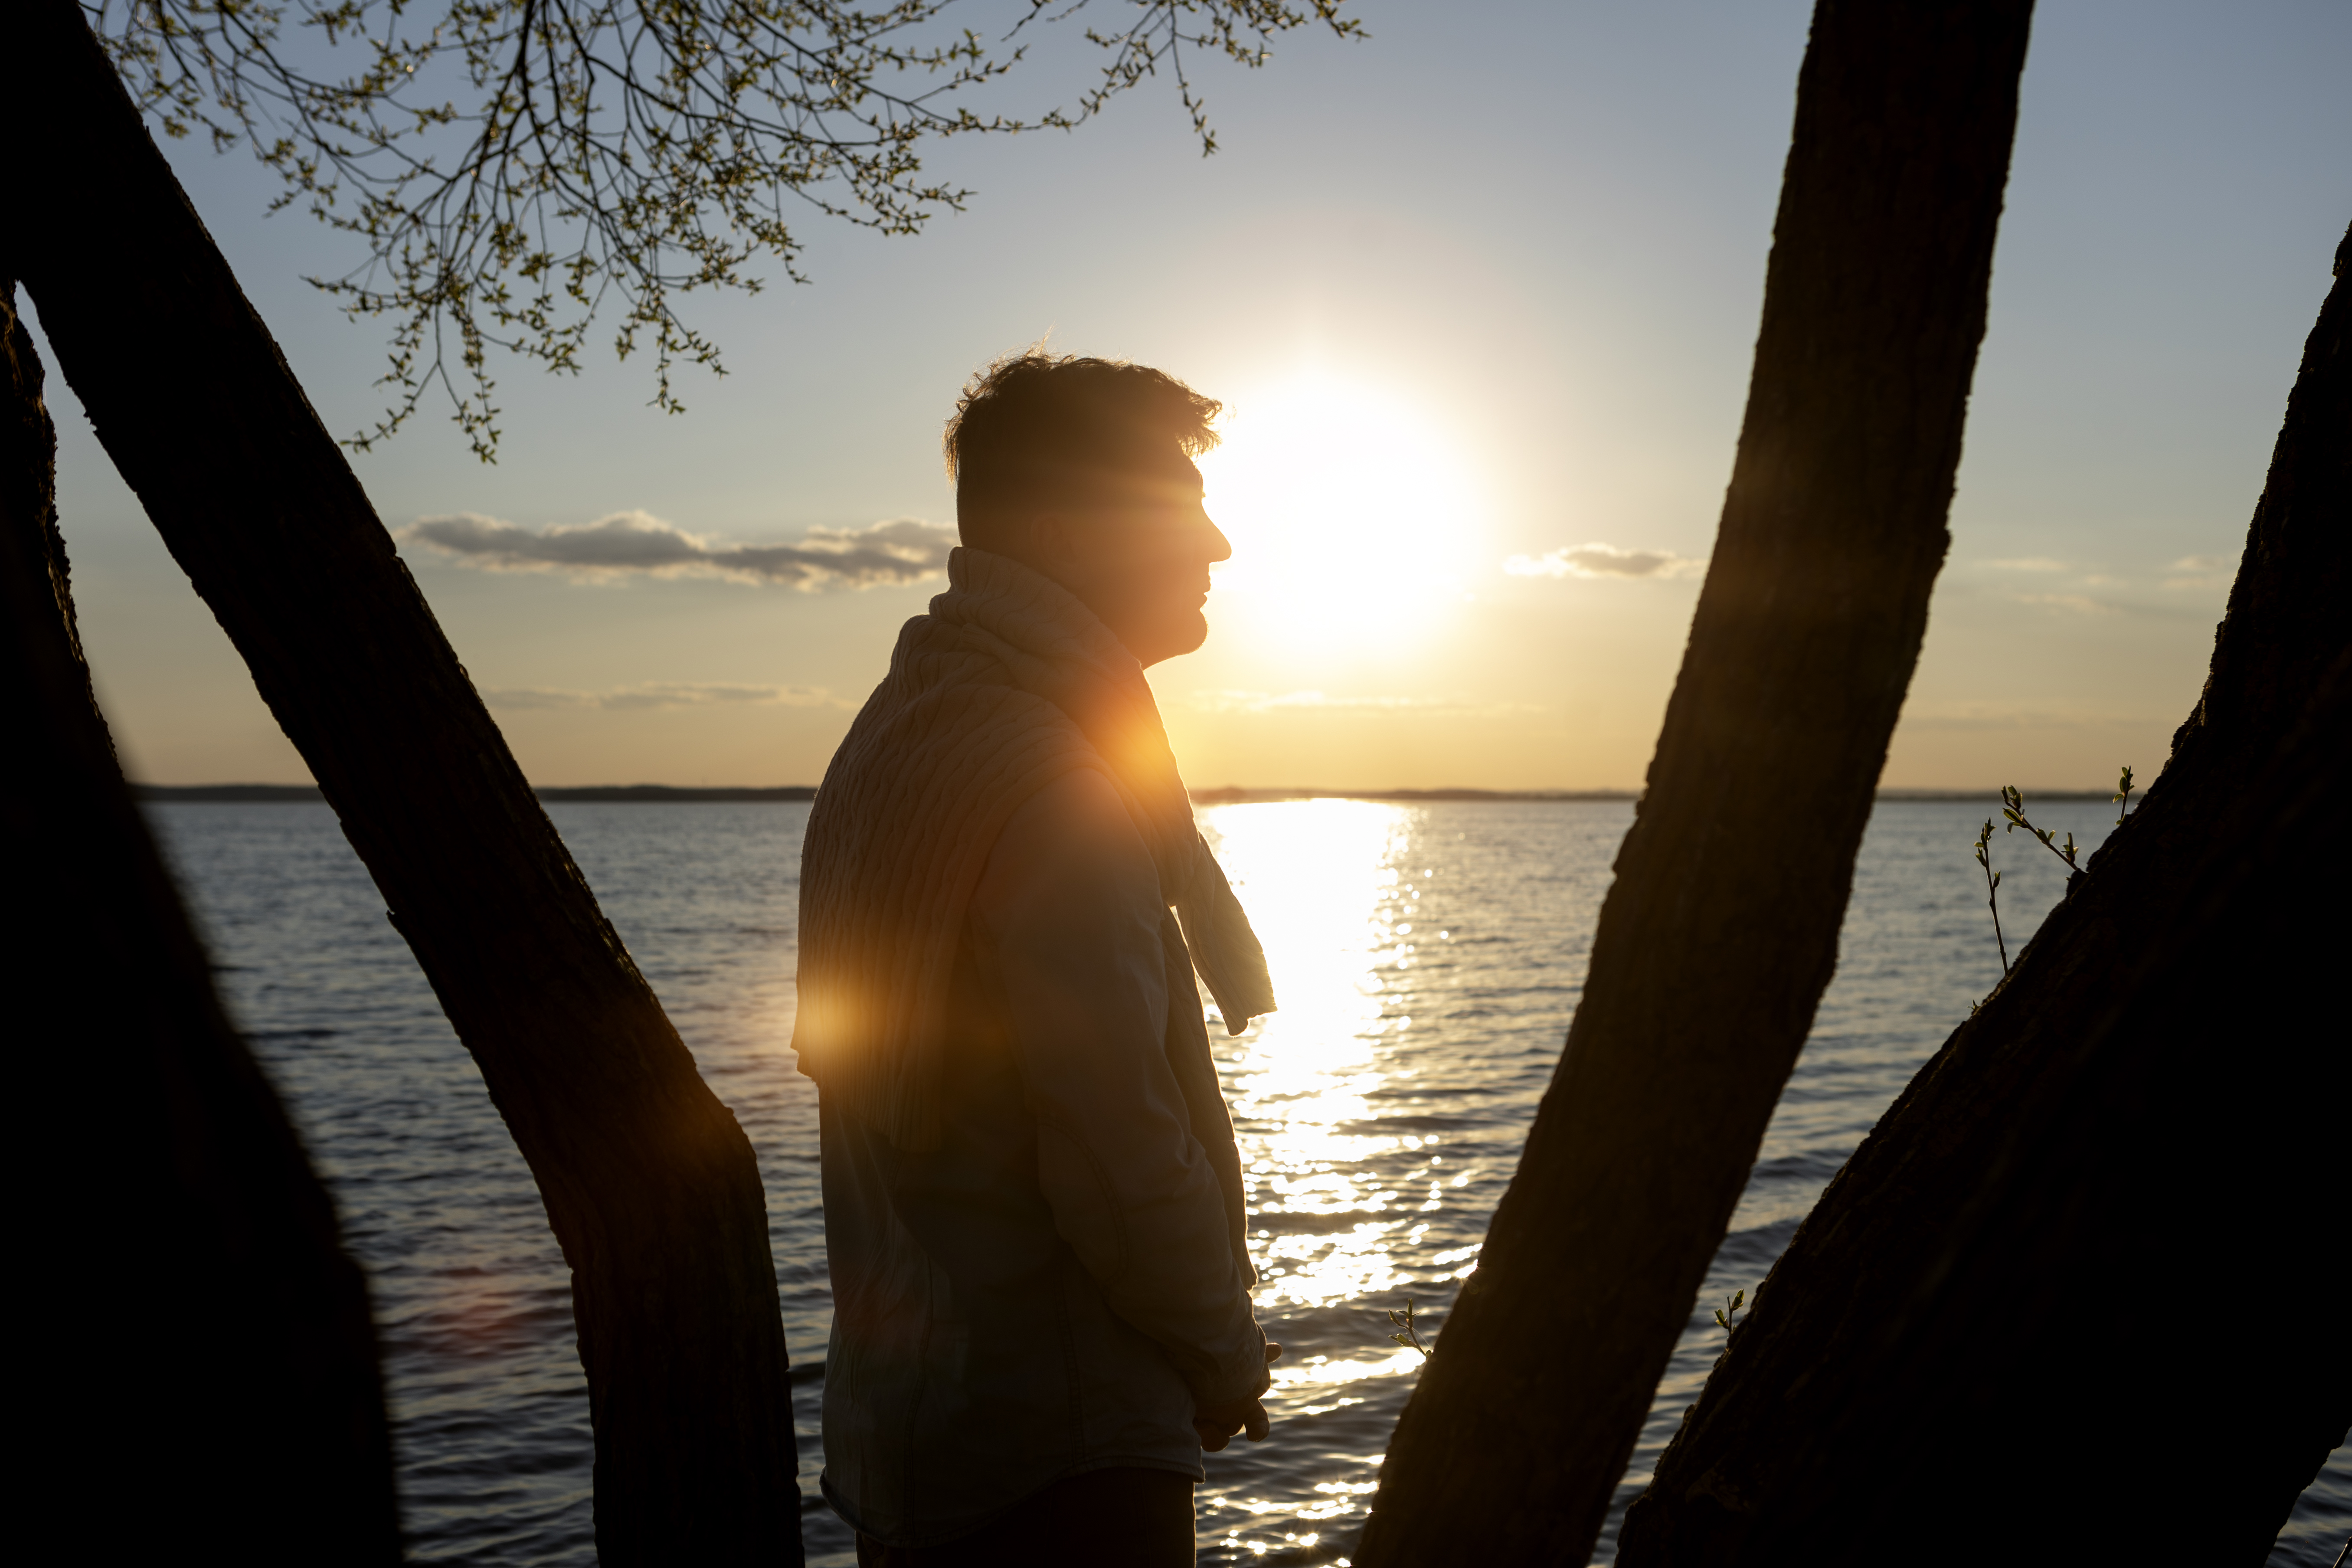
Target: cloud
(1605, 561)
(659, 694)
(1291, 701)
(903, 550)
(1976, 716)
(2201, 572)
(2080, 604)
(2190, 572)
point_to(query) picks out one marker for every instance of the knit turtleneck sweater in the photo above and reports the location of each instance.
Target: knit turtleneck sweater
(1009, 683)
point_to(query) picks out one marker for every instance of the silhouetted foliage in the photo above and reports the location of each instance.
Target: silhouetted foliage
(2012, 808)
(512, 166)
(1992, 889)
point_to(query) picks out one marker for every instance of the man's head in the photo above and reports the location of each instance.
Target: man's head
(1082, 469)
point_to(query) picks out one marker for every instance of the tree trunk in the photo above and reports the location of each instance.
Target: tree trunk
(202, 1368)
(1720, 932)
(2080, 1296)
(650, 1185)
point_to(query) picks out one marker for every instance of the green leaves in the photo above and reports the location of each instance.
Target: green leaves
(1407, 1336)
(2012, 811)
(2013, 807)
(511, 168)
(1992, 887)
(2122, 797)
(1726, 1317)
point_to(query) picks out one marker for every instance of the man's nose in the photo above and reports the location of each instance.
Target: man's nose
(1220, 547)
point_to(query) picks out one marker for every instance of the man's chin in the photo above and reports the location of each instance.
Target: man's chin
(1178, 636)
(1190, 630)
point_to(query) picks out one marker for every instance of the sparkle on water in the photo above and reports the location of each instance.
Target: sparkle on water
(1427, 959)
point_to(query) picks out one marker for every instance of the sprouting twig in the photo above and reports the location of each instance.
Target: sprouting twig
(1407, 1337)
(1992, 889)
(1726, 1317)
(2013, 807)
(2123, 795)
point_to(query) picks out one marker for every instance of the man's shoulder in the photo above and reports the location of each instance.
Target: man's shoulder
(902, 726)
(1073, 839)
(1082, 800)
(947, 749)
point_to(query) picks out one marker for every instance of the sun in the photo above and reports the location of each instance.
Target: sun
(1354, 519)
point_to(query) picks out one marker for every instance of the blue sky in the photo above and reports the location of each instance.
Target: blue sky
(1483, 287)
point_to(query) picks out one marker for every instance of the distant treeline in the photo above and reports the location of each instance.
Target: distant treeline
(1234, 794)
(290, 793)
(1230, 794)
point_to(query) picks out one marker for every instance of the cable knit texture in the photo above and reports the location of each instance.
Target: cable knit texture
(1009, 683)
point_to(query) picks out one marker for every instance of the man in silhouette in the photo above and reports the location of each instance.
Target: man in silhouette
(1032, 1200)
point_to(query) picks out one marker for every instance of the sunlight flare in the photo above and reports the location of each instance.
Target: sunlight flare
(1354, 518)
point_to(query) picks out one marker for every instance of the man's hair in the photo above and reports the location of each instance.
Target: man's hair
(1032, 432)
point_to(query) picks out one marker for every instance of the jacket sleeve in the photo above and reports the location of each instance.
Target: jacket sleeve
(1067, 922)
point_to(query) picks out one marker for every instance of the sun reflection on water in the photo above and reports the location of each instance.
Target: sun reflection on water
(1331, 898)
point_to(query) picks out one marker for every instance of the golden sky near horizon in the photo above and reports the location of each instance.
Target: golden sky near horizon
(1483, 367)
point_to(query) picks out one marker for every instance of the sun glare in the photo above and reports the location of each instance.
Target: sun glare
(1322, 879)
(1353, 520)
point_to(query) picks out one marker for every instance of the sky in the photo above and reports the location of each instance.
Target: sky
(1480, 293)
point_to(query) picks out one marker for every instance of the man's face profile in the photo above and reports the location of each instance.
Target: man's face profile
(1139, 556)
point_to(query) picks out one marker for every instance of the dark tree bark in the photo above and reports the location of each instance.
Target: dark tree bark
(1720, 932)
(196, 1346)
(650, 1185)
(2079, 1297)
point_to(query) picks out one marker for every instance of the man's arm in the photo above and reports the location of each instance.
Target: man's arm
(1068, 916)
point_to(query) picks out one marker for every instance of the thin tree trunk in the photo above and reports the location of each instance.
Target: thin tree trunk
(2080, 1297)
(195, 1346)
(650, 1185)
(1720, 932)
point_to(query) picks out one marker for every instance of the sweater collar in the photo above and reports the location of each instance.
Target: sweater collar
(1021, 605)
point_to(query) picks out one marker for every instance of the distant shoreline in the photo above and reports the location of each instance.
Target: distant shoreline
(1234, 795)
(1229, 794)
(298, 795)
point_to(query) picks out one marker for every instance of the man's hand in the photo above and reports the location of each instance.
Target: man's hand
(1216, 1424)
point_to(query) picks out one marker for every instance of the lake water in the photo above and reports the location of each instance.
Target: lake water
(1427, 958)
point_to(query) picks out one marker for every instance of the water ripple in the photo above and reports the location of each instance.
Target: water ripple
(1427, 958)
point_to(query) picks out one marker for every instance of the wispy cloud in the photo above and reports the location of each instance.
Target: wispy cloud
(637, 543)
(1291, 701)
(659, 694)
(2199, 571)
(1976, 716)
(2074, 604)
(2089, 588)
(1605, 561)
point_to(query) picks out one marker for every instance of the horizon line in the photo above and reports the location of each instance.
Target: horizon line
(1225, 795)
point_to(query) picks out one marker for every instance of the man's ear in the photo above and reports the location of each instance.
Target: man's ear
(1002, 535)
(1048, 535)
